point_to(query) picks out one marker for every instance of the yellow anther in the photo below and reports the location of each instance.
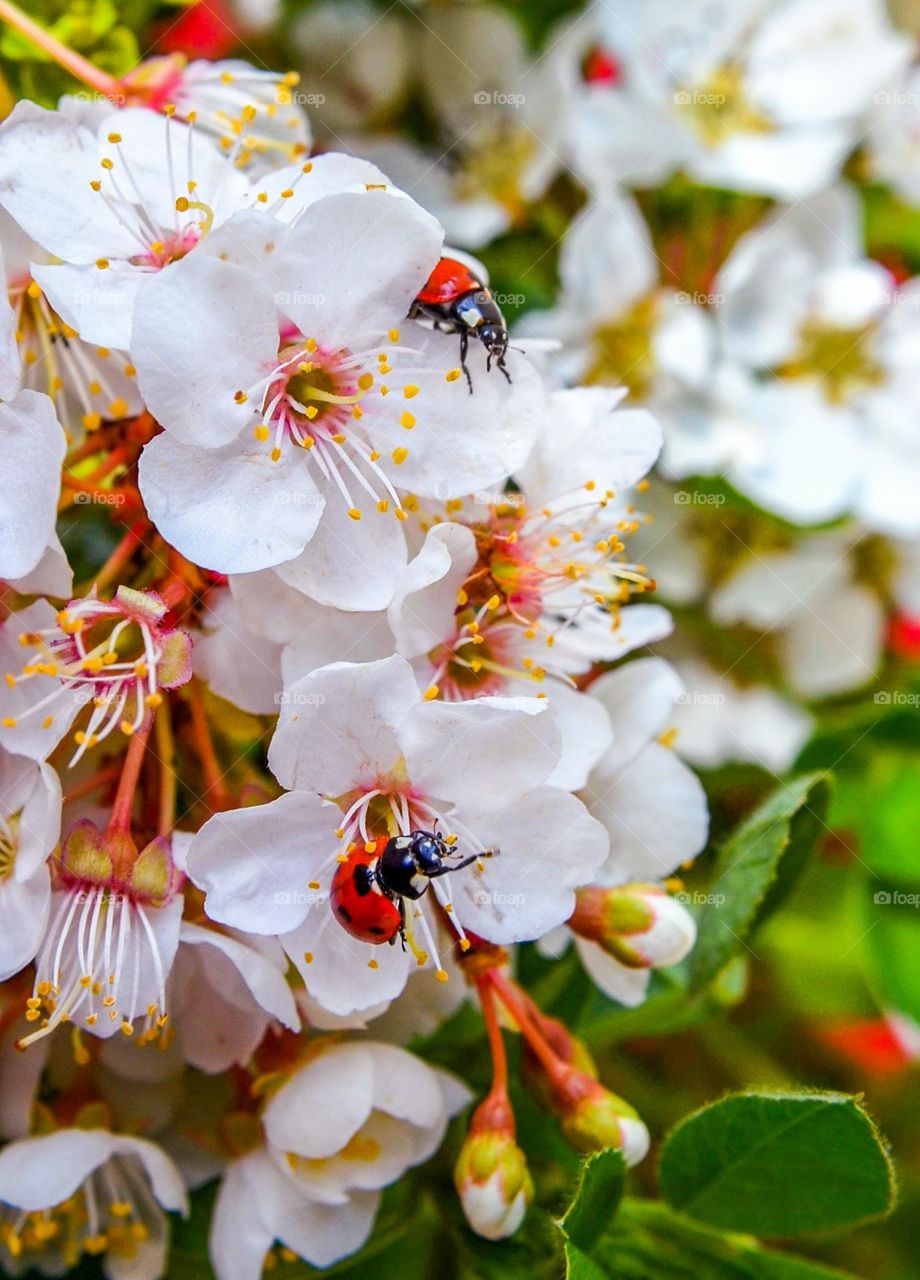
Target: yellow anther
(308, 957)
(275, 454)
(366, 381)
(182, 204)
(383, 506)
(102, 263)
(240, 397)
(354, 513)
(452, 375)
(407, 421)
(399, 456)
(431, 693)
(441, 975)
(393, 335)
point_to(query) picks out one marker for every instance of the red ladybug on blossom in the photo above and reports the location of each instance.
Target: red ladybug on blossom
(456, 300)
(370, 888)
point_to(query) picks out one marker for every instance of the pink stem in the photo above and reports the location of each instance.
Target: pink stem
(73, 62)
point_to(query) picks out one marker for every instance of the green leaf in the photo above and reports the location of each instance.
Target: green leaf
(755, 869)
(652, 1242)
(778, 1164)
(600, 1189)
(893, 941)
(880, 805)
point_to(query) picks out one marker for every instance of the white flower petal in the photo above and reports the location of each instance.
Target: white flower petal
(655, 811)
(255, 864)
(344, 974)
(421, 614)
(486, 752)
(32, 447)
(549, 845)
(203, 330)
(232, 509)
(347, 563)
(338, 725)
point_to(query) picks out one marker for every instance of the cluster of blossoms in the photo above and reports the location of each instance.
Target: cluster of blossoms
(336, 718)
(328, 679)
(779, 357)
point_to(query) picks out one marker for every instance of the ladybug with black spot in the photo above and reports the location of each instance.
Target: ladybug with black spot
(457, 299)
(371, 887)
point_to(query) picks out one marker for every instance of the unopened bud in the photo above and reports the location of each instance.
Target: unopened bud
(600, 1119)
(491, 1175)
(638, 924)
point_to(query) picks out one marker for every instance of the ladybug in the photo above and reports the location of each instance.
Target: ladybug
(370, 888)
(456, 300)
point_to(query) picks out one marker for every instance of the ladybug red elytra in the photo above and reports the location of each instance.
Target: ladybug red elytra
(456, 300)
(370, 888)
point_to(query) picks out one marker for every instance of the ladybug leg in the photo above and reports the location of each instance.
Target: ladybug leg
(466, 862)
(402, 924)
(501, 365)
(464, 344)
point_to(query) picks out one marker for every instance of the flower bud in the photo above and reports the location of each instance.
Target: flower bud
(593, 1118)
(491, 1175)
(638, 924)
(601, 1119)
